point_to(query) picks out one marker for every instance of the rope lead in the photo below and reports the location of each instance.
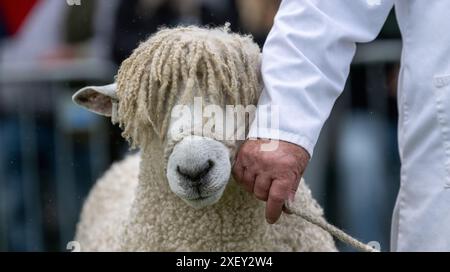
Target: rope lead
(334, 231)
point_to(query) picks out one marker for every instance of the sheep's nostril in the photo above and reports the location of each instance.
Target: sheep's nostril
(196, 175)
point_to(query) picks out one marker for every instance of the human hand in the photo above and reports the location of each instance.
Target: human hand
(272, 176)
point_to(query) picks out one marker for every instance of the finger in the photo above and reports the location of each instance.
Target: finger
(248, 180)
(278, 194)
(262, 187)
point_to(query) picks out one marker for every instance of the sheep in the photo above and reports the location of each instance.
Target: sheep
(177, 193)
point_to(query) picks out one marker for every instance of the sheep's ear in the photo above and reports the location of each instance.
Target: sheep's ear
(98, 99)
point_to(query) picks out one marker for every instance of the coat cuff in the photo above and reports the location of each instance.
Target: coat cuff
(277, 134)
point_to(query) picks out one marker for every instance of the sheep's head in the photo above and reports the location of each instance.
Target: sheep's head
(193, 89)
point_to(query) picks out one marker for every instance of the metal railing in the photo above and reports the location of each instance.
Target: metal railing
(40, 190)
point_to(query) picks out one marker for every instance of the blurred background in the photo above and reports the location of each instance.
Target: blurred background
(52, 152)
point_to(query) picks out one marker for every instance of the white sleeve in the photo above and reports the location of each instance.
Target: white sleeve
(306, 61)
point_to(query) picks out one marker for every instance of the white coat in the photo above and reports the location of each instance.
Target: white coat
(305, 65)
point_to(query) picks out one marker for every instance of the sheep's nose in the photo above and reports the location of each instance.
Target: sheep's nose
(195, 174)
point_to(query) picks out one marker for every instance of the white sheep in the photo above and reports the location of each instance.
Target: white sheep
(177, 193)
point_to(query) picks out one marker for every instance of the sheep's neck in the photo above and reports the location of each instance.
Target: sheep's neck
(157, 209)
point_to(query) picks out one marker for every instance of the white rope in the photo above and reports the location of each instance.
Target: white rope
(334, 231)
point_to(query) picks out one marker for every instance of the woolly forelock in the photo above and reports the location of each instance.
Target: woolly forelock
(175, 65)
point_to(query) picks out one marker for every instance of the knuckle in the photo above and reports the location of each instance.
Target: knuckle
(244, 152)
(266, 157)
(260, 187)
(288, 161)
(260, 192)
(249, 175)
(277, 197)
(283, 185)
